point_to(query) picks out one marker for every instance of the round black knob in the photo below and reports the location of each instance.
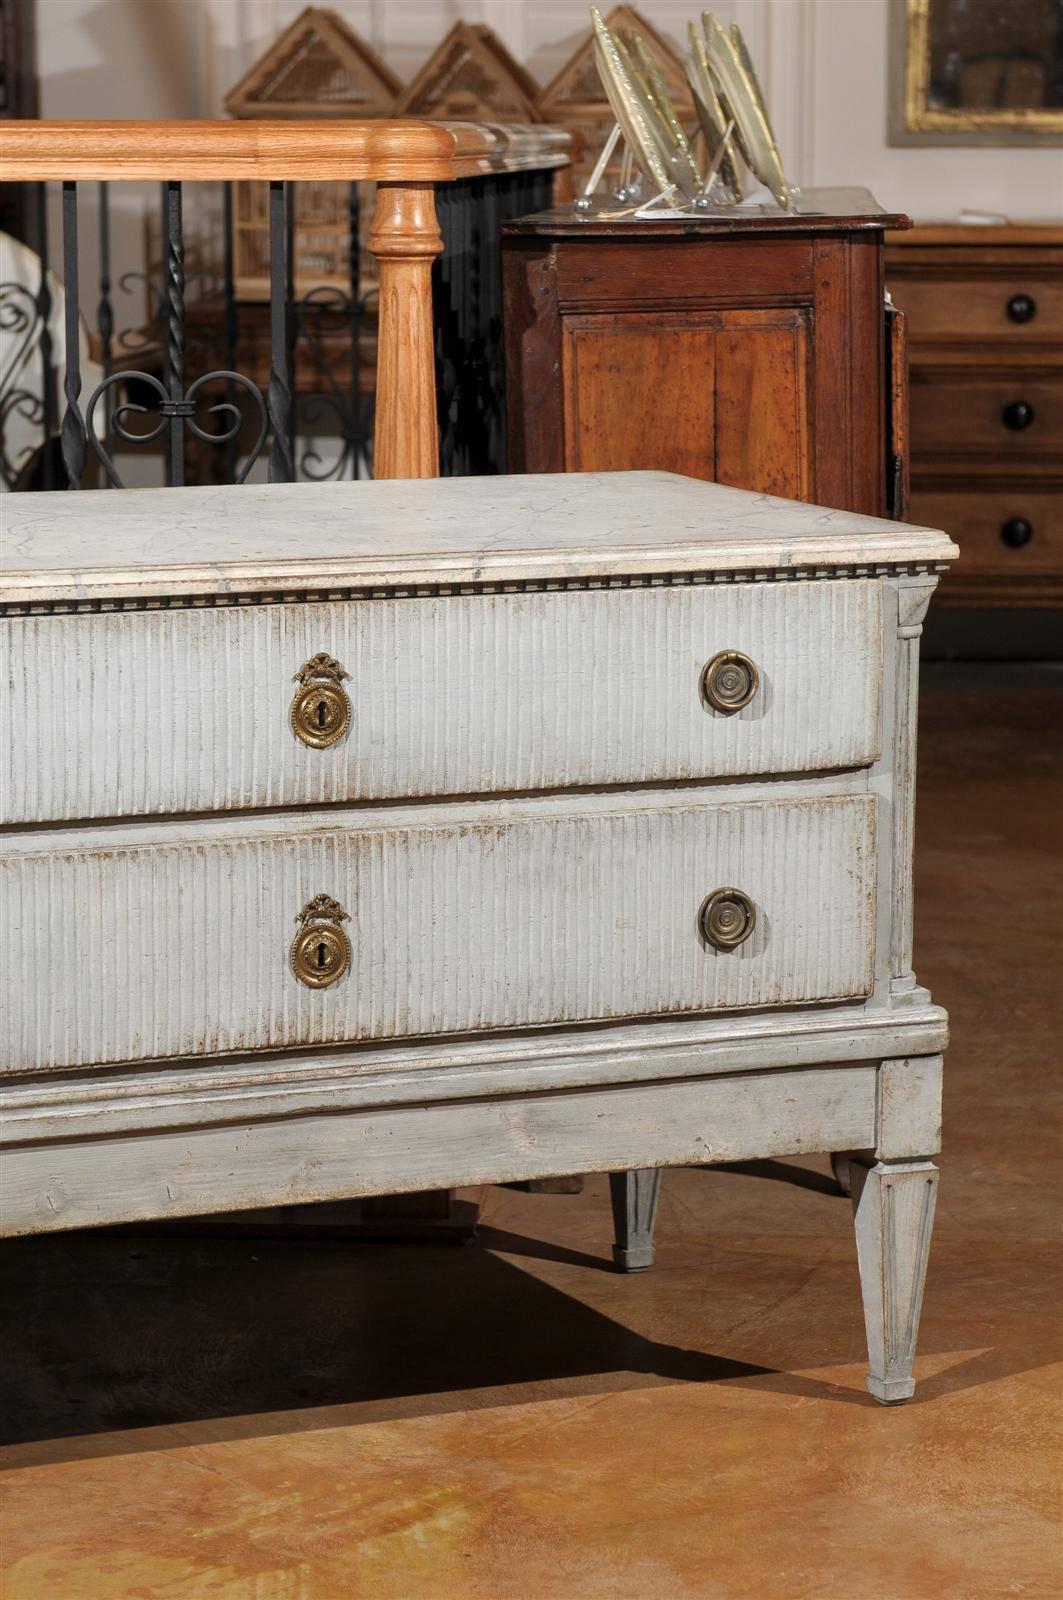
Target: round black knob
(1018, 415)
(1022, 308)
(1016, 532)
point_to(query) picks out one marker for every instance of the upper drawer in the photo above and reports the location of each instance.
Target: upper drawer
(160, 940)
(128, 713)
(1023, 306)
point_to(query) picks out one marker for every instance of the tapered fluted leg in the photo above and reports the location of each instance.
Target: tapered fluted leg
(893, 1207)
(634, 1196)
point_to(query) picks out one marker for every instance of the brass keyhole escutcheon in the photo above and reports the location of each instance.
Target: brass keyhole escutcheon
(727, 918)
(729, 681)
(321, 951)
(321, 711)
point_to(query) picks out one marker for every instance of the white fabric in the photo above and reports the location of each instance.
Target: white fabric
(21, 362)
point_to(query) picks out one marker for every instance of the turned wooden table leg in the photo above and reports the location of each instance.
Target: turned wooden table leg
(634, 1196)
(405, 239)
(893, 1208)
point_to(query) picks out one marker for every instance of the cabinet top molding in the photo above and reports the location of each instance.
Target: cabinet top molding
(280, 539)
(959, 233)
(387, 151)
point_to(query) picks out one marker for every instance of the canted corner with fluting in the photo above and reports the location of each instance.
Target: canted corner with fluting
(913, 595)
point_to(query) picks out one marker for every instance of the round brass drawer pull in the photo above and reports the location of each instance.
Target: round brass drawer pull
(727, 918)
(321, 711)
(321, 951)
(729, 681)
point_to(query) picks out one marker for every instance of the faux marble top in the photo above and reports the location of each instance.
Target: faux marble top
(258, 539)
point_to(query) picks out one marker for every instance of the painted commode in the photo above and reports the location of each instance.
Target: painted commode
(362, 838)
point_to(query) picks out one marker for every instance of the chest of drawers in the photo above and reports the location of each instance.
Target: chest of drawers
(984, 307)
(369, 838)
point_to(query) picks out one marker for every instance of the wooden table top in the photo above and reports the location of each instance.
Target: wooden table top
(816, 211)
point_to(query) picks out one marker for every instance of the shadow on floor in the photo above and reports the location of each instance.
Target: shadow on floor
(111, 1331)
(782, 1172)
(104, 1334)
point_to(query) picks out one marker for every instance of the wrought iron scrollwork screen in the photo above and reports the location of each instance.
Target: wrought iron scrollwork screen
(147, 370)
(240, 358)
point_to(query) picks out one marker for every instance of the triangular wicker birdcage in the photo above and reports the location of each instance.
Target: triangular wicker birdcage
(576, 89)
(318, 67)
(472, 77)
(574, 97)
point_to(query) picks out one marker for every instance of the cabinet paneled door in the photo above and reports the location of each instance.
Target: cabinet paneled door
(757, 353)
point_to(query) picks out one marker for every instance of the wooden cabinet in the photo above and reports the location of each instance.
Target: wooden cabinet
(750, 352)
(984, 308)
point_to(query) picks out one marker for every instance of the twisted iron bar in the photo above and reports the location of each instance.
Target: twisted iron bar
(281, 463)
(72, 428)
(175, 295)
(44, 308)
(105, 307)
(174, 408)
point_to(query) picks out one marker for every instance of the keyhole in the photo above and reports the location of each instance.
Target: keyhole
(322, 956)
(322, 713)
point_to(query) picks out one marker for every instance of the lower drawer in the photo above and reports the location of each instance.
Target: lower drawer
(131, 943)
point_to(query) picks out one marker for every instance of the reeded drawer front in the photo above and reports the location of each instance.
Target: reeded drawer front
(185, 710)
(140, 942)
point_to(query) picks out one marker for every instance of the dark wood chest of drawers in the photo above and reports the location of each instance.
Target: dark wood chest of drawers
(984, 307)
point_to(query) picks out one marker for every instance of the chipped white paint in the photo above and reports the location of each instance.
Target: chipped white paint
(192, 1094)
(130, 944)
(912, 598)
(123, 714)
(282, 538)
(160, 1173)
(529, 993)
(908, 1119)
(893, 1204)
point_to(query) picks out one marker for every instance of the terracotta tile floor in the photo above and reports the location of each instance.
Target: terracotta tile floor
(194, 1418)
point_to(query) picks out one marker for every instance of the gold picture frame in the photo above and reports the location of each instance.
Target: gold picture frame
(917, 115)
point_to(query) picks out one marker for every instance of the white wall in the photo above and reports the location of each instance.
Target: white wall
(845, 110)
(121, 58)
(824, 69)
